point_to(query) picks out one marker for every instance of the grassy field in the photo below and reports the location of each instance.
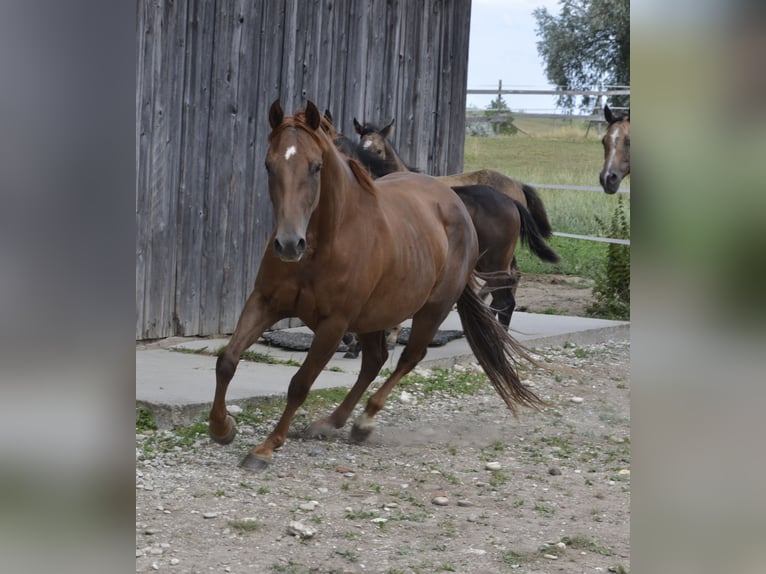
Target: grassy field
(555, 152)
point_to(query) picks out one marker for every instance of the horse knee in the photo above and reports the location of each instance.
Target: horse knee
(226, 365)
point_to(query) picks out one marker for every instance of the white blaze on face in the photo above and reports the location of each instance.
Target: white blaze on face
(367, 144)
(613, 151)
(290, 152)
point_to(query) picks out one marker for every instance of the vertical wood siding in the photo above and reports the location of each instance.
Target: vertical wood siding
(206, 74)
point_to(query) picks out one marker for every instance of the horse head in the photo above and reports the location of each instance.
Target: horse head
(293, 163)
(374, 139)
(616, 143)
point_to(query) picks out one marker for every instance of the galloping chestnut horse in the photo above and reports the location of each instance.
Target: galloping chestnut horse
(350, 254)
(616, 142)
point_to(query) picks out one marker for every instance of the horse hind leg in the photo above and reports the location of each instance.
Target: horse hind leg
(374, 355)
(256, 317)
(424, 327)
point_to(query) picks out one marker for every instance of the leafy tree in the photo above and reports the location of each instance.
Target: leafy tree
(586, 46)
(499, 106)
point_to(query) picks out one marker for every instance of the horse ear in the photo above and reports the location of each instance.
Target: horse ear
(328, 115)
(608, 114)
(275, 114)
(357, 127)
(313, 117)
(386, 131)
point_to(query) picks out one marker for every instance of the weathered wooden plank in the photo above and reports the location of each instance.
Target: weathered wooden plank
(194, 170)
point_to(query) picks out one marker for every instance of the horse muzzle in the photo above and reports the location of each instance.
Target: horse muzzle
(290, 247)
(610, 181)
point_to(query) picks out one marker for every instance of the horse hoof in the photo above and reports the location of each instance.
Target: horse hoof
(362, 429)
(227, 436)
(318, 430)
(254, 463)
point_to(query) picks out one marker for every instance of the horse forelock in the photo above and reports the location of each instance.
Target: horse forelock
(298, 121)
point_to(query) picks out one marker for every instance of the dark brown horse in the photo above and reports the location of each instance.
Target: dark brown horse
(616, 142)
(500, 219)
(348, 254)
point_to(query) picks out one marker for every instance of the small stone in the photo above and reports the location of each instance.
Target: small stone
(390, 505)
(405, 397)
(297, 528)
(561, 545)
(210, 515)
(477, 551)
(139, 553)
(174, 561)
(156, 551)
(554, 471)
(551, 556)
(379, 520)
(624, 472)
(472, 518)
(309, 506)
(155, 566)
(151, 531)
(493, 466)
(234, 409)
(464, 503)
(342, 469)
(349, 474)
(576, 399)
(322, 490)
(440, 500)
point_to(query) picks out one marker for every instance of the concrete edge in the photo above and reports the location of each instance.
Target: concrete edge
(168, 416)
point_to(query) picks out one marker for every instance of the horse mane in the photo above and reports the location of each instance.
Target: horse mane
(325, 132)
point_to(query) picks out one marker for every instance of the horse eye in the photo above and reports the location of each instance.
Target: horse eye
(315, 168)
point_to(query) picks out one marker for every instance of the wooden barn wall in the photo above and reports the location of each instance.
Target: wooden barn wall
(206, 74)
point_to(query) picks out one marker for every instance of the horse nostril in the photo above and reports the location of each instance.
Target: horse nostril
(301, 247)
(277, 246)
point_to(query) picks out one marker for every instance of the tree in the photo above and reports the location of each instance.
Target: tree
(499, 106)
(586, 46)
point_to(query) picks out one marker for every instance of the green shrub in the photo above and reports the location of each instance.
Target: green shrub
(611, 290)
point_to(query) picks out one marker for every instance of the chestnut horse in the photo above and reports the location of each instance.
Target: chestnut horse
(350, 254)
(616, 142)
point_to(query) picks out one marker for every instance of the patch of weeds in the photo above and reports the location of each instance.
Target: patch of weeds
(544, 507)
(349, 555)
(447, 381)
(351, 535)
(263, 490)
(220, 493)
(375, 487)
(562, 447)
(619, 569)
(582, 353)
(344, 486)
(582, 542)
(245, 524)
(415, 517)
(246, 485)
(498, 445)
(363, 515)
(514, 558)
(316, 519)
(552, 311)
(145, 420)
(498, 478)
(446, 567)
(518, 503)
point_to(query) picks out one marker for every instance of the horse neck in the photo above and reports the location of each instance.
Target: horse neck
(338, 193)
(393, 156)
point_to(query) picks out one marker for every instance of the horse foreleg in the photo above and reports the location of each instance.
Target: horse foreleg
(374, 355)
(424, 327)
(254, 320)
(327, 337)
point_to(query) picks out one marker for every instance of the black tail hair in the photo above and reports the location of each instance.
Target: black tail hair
(533, 238)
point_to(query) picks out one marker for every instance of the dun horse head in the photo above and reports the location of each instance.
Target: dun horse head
(293, 164)
(373, 139)
(616, 151)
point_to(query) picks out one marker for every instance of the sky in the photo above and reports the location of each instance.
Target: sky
(503, 46)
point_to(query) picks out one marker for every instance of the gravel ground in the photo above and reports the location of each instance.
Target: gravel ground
(449, 481)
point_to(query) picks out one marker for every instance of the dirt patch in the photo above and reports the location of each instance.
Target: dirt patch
(559, 294)
(449, 482)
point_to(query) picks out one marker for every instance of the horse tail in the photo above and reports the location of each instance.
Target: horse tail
(537, 209)
(495, 350)
(533, 238)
